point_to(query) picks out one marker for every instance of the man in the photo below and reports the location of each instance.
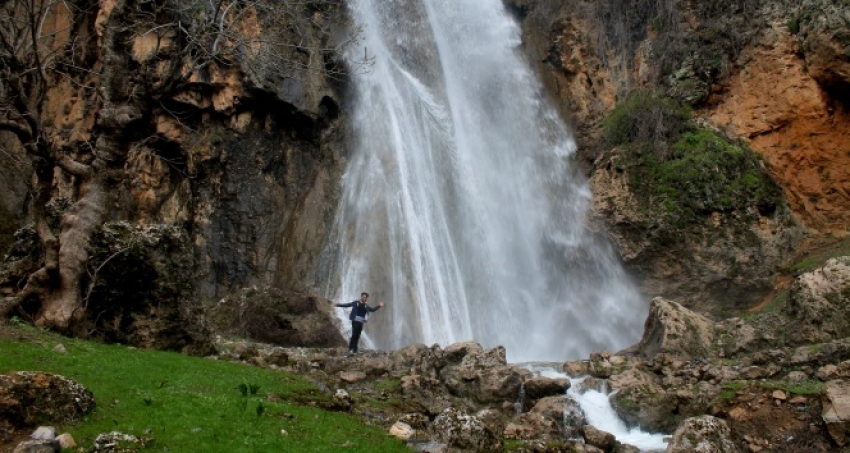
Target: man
(359, 315)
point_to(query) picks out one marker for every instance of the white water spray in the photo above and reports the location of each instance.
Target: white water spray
(596, 406)
(461, 207)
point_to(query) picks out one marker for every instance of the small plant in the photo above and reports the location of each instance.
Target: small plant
(794, 25)
(806, 388)
(730, 389)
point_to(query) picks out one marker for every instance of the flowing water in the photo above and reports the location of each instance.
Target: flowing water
(596, 407)
(461, 205)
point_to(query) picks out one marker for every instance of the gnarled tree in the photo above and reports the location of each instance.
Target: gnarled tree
(132, 56)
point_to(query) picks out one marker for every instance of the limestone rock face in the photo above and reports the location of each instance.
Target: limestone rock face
(772, 85)
(836, 410)
(778, 103)
(819, 305)
(824, 42)
(705, 434)
(673, 329)
(270, 315)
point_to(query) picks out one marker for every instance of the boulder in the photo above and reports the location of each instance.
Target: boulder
(704, 434)
(401, 430)
(484, 377)
(541, 387)
(598, 438)
(271, 315)
(342, 401)
(464, 432)
(30, 398)
(576, 368)
(836, 410)
(672, 329)
(564, 411)
(819, 305)
(532, 426)
(831, 371)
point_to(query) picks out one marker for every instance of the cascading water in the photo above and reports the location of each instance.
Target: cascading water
(461, 207)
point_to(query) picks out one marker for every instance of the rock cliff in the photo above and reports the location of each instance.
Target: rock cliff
(224, 123)
(771, 76)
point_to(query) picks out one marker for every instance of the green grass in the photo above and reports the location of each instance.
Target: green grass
(806, 388)
(731, 389)
(775, 306)
(817, 259)
(190, 404)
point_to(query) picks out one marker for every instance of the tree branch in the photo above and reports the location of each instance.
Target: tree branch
(74, 168)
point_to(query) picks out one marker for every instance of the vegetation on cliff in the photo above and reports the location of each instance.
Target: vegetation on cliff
(681, 171)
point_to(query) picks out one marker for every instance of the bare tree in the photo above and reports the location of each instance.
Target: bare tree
(186, 37)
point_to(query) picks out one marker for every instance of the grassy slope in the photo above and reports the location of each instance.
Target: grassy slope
(189, 404)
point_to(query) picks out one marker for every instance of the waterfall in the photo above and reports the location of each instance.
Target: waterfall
(461, 205)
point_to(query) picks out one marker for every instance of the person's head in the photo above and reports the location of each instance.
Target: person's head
(364, 297)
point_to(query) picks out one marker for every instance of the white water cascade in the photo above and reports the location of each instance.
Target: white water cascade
(461, 207)
(597, 409)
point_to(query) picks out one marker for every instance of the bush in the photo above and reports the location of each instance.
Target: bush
(681, 171)
(646, 118)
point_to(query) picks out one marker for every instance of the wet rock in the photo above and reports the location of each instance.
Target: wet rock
(590, 383)
(576, 368)
(564, 411)
(598, 438)
(704, 434)
(540, 387)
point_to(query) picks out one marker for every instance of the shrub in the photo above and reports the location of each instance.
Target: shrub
(680, 171)
(646, 118)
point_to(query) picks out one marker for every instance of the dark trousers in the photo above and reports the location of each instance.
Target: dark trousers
(356, 328)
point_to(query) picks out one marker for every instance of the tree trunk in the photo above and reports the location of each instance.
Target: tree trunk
(57, 286)
(62, 306)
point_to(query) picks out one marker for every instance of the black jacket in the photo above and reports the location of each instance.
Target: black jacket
(358, 310)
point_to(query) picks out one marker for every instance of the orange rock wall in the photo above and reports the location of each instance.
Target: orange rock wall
(803, 135)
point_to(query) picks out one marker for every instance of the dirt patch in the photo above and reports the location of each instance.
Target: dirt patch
(765, 423)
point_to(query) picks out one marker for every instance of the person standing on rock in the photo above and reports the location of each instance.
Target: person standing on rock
(359, 315)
